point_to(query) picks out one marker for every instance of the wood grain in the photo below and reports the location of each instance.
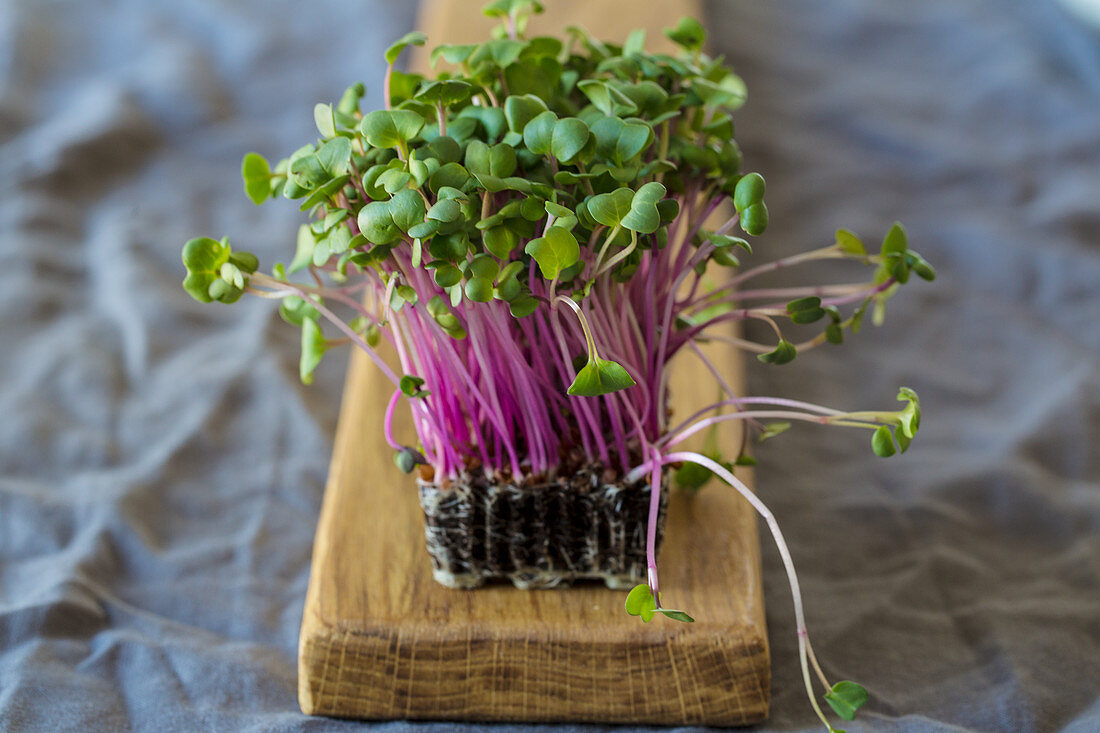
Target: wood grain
(381, 640)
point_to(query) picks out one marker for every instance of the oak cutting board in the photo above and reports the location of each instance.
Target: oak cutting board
(381, 640)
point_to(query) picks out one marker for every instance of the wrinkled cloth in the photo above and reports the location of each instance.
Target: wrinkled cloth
(161, 467)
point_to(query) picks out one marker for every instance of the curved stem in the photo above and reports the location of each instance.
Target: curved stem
(738, 401)
(387, 422)
(592, 353)
(781, 544)
(603, 249)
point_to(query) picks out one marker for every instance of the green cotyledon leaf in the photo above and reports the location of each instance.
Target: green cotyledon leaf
(257, 177)
(554, 251)
(610, 208)
(413, 38)
(846, 698)
(388, 128)
(643, 216)
(640, 602)
(599, 377)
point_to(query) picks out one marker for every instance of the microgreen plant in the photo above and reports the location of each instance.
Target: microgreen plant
(530, 231)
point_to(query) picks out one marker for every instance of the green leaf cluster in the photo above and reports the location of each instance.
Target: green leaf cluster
(521, 149)
(522, 158)
(214, 271)
(900, 428)
(898, 261)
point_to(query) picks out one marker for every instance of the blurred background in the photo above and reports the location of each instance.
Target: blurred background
(161, 466)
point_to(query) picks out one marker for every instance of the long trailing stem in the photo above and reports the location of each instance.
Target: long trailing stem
(777, 535)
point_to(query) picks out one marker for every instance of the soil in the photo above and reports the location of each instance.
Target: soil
(541, 534)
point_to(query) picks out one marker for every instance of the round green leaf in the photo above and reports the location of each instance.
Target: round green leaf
(896, 241)
(539, 77)
(509, 289)
(394, 180)
(607, 98)
(450, 247)
(502, 160)
(633, 139)
(446, 149)
(477, 157)
(376, 224)
(406, 209)
(484, 267)
(390, 128)
(445, 210)
(920, 266)
(445, 92)
(688, 33)
(521, 109)
(610, 208)
(500, 241)
(598, 377)
(447, 275)
(257, 177)
(413, 38)
(754, 219)
(729, 93)
(326, 122)
(806, 310)
(313, 349)
(449, 174)
(849, 243)
(554, 252)
(490, 118)
(749, 190)
(643, 215)
(303, 255)
(669, 209)
(882, 442)
(245, 261)
(640, 602)
(505, 8)
(307, 172)
(452, 54)
(335, 156)
(607, 130)
(203, 254)
(410, 386)
(499, 51)
(538, 133)
(784, 353)
(568, 139)
(349, 101)
(846, 698)
(405, 460)
(479, 290)
(523, 306)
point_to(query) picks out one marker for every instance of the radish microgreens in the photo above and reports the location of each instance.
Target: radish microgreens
(531, 233)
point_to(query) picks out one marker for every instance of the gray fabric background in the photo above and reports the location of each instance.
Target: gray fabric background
(161, 468)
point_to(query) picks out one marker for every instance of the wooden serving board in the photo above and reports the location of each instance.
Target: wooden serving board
(381, 640)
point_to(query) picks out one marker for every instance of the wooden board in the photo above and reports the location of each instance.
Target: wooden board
(381, 640)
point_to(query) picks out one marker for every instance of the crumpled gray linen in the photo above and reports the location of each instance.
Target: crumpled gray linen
(161, 468)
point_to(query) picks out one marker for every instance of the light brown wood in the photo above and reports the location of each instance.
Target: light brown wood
(381, 640)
